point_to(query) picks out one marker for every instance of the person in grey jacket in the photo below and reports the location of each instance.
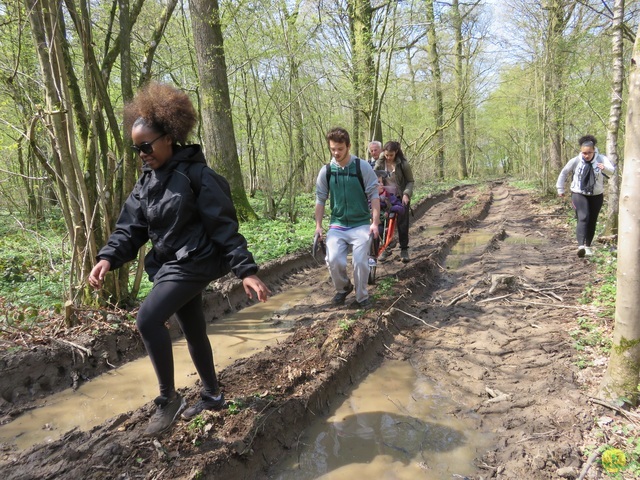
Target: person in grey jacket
(396, 165)
(587, 171)
(183, 207)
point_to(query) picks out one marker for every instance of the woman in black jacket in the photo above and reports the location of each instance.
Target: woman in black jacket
(181, 206)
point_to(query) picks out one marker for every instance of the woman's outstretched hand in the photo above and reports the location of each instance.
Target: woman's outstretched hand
(96, 277)
(252, 282)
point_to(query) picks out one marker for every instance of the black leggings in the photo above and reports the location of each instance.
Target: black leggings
(184, 299)
(587, 210)
(403, 227)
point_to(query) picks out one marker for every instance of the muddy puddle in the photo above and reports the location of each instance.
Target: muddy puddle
(132, 385)
(467, 246)
(473, 243)
(394, 424)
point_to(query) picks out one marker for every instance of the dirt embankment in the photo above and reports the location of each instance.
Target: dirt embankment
(490, 327)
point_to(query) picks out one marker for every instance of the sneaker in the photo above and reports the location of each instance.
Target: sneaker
(365, 304)
(582, 251)
(338, 298)
(166, 413)
(404, 255)
(206, 402)
(588, 251)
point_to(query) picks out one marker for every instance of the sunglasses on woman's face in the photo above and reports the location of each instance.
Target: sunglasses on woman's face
(146, 147)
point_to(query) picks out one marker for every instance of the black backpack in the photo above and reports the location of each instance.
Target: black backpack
(193, 171)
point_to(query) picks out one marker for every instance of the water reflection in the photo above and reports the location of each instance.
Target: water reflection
(134, 384)
(393, 425)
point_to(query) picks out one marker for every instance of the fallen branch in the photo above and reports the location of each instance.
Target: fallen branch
(632, 417)
(396, 301)
(587, 465)
(494, 298)
(418, 318)
(80, 348)
(551, 305)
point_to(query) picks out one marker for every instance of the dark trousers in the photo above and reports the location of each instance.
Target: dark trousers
(587, 211)
(184, 299)
(403, 227)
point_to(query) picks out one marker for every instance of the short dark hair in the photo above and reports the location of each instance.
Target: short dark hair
(587, 138)
(339, 135)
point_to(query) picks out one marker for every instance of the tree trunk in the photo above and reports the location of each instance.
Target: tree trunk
(558, 15)
(617, 80)
(363, 74)
(45, 18)
(460, 91)
(620, 383)
(438, 104)
(216, 103)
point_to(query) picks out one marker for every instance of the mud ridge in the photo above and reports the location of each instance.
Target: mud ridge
(54, 365)
(273, 418)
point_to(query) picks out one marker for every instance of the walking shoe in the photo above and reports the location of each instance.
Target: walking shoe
(206, 402)
(385, 255)
(365, 304)
(168, 410)
(404, 255)
(582, 251)
(338, 298)
(588, 251)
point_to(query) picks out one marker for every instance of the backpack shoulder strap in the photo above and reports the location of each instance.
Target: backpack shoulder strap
(193, 174)
(327, 172)
(358, 174)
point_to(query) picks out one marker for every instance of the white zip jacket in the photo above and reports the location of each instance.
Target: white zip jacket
(576, 166)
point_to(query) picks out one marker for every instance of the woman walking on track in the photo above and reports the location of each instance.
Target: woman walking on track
(588, 170)
(400, 174)
(183, 207)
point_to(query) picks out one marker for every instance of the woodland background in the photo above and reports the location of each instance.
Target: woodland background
(471, 89)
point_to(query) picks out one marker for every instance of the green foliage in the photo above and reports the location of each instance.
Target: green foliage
(346, 324)
(528, 185)
(33, 270)
(234, 406)
(385, 286)
(590, 334)
(601, 291)
(467, 208)
(197, 424)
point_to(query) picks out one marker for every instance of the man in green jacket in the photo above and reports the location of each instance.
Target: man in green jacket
(352, 186)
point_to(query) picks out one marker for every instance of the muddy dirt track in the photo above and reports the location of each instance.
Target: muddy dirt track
(489, 325)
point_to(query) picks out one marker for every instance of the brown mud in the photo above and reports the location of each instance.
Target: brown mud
(491, 328)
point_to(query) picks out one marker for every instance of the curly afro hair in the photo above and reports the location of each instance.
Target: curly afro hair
(587, 138)
(164, 109)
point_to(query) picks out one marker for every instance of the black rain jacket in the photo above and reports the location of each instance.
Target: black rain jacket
(194, 236)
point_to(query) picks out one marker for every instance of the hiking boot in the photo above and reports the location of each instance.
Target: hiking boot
(404, 255)
(206, 402)
(365, 304)
(582, 251)
(338, 298)
(168, 410)
(385, 255)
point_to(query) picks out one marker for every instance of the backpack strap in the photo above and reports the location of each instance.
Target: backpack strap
(195, 178)
(358, 174)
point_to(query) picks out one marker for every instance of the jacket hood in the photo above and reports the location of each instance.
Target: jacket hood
(187, 154)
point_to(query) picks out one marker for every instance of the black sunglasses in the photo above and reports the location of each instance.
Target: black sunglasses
(146, 147)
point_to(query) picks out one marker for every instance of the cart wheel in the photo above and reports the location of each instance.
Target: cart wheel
(372, 274)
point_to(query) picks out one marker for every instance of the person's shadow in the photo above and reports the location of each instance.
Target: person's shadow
(360, 438)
